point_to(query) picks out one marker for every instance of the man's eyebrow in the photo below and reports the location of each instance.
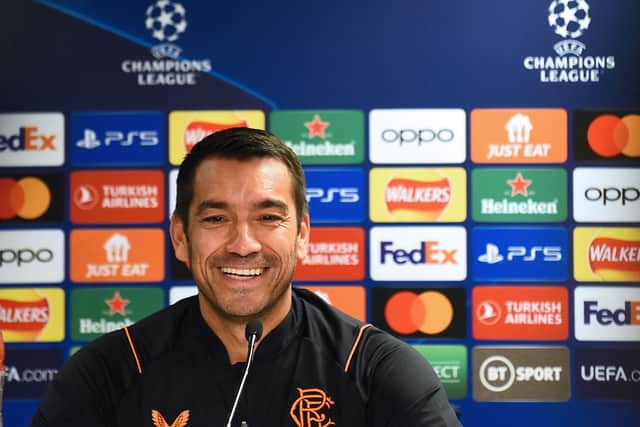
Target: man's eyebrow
(273, 203)
(210, 204)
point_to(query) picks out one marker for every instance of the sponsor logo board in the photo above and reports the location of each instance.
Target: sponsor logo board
(97, 311)
(29, 371)
(609, 135)
(521, 373)
(423, 136)
(322, 136)
(32, 256)
(607, 313)
(187, 128)
(606, 254)
(519, 135)
(32, 198)
(32, 314)
(418, 194)
(450, 364)
(117, 196)
(117, 255)
(438, 312)
(418, 253)
(335, 194)
(31, 139)
(173, 191)
(118, 138)
(610, 373)
(333, 253)
(177, 293)
(349, 299)
(519, 254)
(520, 313)
(606, 194)
(519, 195)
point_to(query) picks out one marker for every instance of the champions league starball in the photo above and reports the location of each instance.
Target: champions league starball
(166, 20)
(569, 18)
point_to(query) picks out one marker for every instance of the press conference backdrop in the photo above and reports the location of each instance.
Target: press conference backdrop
(472, 171)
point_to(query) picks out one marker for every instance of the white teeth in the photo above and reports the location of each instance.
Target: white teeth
(242, 271)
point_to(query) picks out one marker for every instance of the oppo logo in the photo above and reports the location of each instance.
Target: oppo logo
(24, 256)
(420, 136)
(612, 194)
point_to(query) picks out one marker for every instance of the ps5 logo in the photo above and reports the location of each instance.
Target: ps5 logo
(144, 138)
(331, 194)
(492, 254)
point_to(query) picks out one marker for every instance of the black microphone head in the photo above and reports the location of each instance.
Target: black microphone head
(254, 327)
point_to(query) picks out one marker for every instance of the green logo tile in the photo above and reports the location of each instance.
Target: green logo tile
(450, 364)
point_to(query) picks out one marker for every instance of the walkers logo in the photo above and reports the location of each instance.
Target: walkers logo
(118, 138)
(311, 407)
(31, 139)
(97, 311)
(29, 371)
(32, 198)
(517, 373)
(117, 196)
(606, 194)
(117, 255)
(520, 312)
(322, 137)
(187, 128)
(333, 254)
(450, 364)
(349, 299)
(519, 254)
(607, 313)
(335, 194)
(606, 254)
(32, 314)
(420, 312)
(519, 195)
(611, 135)
(418, 195)
(569, 19)
(425, 136)
(611, 373)
(519, 136)
(418, 253)
(166, 22)
(32, 256)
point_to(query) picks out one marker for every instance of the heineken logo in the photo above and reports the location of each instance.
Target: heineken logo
(519, 195)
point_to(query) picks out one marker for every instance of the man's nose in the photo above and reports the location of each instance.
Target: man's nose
(242, 240)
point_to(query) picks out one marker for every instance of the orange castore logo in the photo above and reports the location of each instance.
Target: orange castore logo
(307, 409)
(181, 420)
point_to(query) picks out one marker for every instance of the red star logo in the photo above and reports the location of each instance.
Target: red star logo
(316, 127)
(116, 304)
(519, 185)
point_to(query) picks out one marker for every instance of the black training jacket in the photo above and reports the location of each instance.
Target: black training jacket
(319, 368)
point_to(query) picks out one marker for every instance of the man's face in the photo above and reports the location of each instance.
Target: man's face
(243, 240)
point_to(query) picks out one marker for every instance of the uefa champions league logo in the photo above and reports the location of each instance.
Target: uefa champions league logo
(569, 19)
(167, 21)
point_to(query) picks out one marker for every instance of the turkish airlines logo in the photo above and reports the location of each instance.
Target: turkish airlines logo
(32, 139)
(116, 196)
(130, 255)
(606, 194)
(518, 136)
(520, 312)
(421, 312)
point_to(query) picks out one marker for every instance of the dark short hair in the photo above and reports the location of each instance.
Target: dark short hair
(239, 144)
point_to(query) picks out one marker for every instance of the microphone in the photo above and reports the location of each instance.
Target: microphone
(253, 332)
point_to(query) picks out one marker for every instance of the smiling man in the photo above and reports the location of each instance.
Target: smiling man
(241, 224)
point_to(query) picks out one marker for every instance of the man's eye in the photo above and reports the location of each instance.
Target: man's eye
(214, 218)
(271, 218)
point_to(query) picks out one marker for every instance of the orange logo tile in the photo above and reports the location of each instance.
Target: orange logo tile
(350, 299)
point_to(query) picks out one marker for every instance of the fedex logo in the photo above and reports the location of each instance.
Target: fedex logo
(418, 253)
(607, 313)
(335, 194)
(519, 253)
(32, 139)
(428, 253)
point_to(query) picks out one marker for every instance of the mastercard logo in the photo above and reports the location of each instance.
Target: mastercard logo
(429, 312)
(26, 198)
(609, 135)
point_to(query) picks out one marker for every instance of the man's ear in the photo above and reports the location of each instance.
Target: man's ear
(179, 239)
(303, 237)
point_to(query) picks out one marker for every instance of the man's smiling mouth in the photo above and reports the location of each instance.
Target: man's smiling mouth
(242, 272)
